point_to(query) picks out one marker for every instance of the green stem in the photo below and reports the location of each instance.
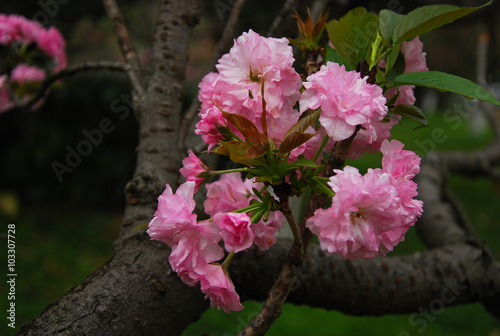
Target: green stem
(227, 261)
(320, 149)
(235, 170)
(250, 208)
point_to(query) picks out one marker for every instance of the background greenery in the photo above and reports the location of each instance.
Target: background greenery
(64, 231)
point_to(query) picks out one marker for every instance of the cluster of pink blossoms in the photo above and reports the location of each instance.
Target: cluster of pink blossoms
(195, 245)
(18, 81)
(369, 215)
(254, 64)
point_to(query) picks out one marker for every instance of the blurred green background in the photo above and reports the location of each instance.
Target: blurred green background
(65, 230)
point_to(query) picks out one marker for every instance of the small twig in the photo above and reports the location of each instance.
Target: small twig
(70, 71)
(221, 47)
(126, 46)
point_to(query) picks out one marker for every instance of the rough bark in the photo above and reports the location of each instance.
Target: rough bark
(128, 295)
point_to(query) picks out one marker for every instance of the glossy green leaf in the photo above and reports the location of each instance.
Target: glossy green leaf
(306, 163)
(388, 20)
(333, 55)
(411, 112)
(353, 35)
(447, 83)
(392, 57)
(427, 18)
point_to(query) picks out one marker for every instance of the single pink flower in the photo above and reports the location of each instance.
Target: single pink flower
(265, 232)
(369, 138)
(52, 42)
(235, 230)
(346, 100)
(217, 286)
(196, 246)
(24, 73)
(367, 216)
(174, 212)
(254, 61)
(229, 193)
(402, 164)
(194, 170)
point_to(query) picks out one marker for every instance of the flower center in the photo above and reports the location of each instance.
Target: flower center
(354, 216)
(254, 77)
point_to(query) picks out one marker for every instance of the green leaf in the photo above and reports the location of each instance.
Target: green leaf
(388, 20)
(427, 18)
(293, 141)
(392, 56)
(302, 125)
(333, 55)
(306, 163)
(446, 82)
(220, 150)
(353, 35)
(411, 112)
(238, 153)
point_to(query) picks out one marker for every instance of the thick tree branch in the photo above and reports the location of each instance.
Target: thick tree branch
(70, 71)
(117, 298)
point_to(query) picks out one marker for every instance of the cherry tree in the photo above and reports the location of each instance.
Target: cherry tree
(288, 134)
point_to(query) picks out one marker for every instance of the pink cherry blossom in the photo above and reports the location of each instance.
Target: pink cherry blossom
(265, 232)
(174, 212)
(207, 127)
(196, 245)
(367, 216)
(254, 61)
(217, 286)
(346, 100)
(52, 42)
(369, 139)
(235, 230)
(415, 61)
(229, 193)
(24, 73)
(24, 31)
(402, 164)
(193, 170)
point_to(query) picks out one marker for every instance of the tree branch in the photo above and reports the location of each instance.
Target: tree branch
(126, 46)
(70, 71)
(117, 298)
